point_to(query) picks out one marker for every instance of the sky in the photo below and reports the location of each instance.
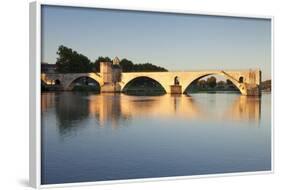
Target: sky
(178, 42)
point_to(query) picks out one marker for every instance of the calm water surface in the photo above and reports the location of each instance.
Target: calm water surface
(88, 137)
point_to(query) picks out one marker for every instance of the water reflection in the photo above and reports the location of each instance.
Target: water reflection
(245, 108)
(162, 106)
(109, 109)
(70, 109)
(47, 101)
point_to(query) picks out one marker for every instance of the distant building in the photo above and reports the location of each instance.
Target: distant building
(48, 68)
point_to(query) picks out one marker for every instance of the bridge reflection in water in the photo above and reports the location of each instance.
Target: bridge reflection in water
(245, 108)
(109, 109)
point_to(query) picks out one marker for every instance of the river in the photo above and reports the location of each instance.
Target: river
(95, 137)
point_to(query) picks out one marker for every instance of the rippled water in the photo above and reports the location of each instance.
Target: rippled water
(94, 137)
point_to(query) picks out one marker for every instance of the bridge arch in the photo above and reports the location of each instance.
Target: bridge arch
(71, 83)
(237, 83)
(154, 83)
(43, 83)
(57, 82)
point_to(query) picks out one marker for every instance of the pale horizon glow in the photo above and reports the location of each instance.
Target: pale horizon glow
(174, 41)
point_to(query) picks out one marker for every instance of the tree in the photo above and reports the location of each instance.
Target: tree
(70, 61)
(96, 64)
(147, 67)
(129, 66)
(212, 81)
(201, 83)
(229, 82)
(126, 65)
(221, 84)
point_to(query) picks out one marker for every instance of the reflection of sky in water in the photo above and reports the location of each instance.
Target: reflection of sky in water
(106, 137)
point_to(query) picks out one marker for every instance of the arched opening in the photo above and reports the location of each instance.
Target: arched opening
(51, 85)
(84, 84)
(44, 86)
(144, 86)
(241, 79)
(57, 82)
(211, 83)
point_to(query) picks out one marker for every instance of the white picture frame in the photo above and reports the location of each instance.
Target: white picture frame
(35, 101)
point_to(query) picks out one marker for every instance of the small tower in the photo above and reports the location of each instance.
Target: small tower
(106, 71)
(116, 61)
(111, 75)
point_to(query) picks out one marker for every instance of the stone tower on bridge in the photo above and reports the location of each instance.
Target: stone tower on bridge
(111, 75)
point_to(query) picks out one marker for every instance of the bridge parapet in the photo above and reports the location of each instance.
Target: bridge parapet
(65, 80)
(247, 81)
(113, 80)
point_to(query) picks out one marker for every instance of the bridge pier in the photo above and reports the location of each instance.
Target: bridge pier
(175, 89)
(253, 90)
(111, 88)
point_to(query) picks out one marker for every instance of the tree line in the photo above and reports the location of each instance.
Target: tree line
(211, 83)
(70, 61)
(266, 86)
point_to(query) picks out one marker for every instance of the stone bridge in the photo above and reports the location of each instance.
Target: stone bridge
(112, 79)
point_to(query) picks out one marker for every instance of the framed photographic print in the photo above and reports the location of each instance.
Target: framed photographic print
(118, 94)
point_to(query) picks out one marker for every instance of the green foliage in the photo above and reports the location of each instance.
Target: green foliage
(144, 86)
(212, 82)
(229, 82)
(126, 65)
(70, 61)
(201, 83)
(211, 85)
(221, 83)
(146, 67)
(129, 66)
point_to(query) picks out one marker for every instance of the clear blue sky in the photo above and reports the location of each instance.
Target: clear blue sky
(173, 41)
